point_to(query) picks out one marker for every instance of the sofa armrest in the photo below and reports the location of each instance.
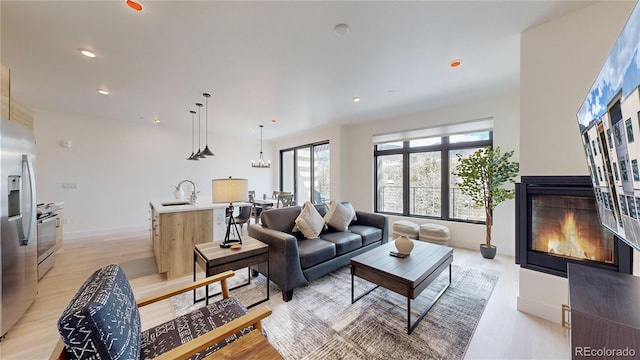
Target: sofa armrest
(376, 220)
(285, 269)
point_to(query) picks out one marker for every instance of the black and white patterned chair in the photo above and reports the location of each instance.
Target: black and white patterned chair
(102, 322)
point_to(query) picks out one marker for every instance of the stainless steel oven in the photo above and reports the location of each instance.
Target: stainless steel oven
(47, 221)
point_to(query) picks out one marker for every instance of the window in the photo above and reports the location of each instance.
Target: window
(389, 193)
(609, 138)
(632, 207)
(616, 133)
(623, 170)
(305, 172)
(615, 171)
(634, 168)
(413, 177)
(629, 130)
(595, 148)
(599, 173)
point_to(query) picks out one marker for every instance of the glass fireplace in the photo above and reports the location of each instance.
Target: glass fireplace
(557, 222)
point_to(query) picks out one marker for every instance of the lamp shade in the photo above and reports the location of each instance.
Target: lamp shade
(229, 190)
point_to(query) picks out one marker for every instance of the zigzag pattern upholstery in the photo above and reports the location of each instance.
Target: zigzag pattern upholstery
(102, 322)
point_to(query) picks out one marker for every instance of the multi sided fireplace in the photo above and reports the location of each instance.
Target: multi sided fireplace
(557, 222)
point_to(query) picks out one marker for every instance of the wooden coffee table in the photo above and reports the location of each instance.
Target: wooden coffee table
(406, 276)
(213, 260)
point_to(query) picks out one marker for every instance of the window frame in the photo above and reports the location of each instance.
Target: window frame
(295, 166)
(445, 147)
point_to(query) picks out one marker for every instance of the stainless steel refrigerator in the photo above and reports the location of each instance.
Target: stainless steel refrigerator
(18, 263)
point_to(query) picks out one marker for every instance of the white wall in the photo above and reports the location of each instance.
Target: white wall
(559, 62)
(358, 161)
(120, 166)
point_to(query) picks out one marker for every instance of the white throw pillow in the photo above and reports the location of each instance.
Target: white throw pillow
(339, 216)
(310, 222)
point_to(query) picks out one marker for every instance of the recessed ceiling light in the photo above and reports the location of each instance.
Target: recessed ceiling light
(103, 91)
(455, 63)
(356, 99)
(87, 53)
(341, 29)
(135, 5)
(156, 120)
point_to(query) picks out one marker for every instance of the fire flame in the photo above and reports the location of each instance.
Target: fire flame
(568, 242)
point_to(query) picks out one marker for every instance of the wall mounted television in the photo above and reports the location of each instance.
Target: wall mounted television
(609, 121)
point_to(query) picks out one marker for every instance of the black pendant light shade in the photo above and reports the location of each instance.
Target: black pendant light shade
(206, 150)
(199, 153)
(193, 155)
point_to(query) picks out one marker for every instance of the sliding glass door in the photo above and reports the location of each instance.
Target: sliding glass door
(305, 172)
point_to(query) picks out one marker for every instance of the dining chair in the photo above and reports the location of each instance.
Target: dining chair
(244, 216)
(284, 200)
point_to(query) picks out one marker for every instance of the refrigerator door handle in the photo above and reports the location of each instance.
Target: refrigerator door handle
(19, 228)
(32, 196)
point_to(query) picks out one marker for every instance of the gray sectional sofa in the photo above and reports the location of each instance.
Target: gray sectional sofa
(295, 260)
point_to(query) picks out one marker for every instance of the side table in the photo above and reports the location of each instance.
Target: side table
(213, 260)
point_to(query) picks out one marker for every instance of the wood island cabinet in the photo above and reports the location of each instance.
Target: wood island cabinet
(175, 235)
(604, 310)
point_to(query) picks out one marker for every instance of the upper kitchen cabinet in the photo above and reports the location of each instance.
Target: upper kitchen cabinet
(10, 108)
(20, 113)
(5, 91)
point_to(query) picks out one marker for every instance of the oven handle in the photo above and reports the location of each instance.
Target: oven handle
(44, 221)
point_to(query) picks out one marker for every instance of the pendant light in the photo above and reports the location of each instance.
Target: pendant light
(193, 155)
(206, 150)
(199, 153)
(261, 163)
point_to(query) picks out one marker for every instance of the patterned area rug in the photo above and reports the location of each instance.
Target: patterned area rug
(321, 323)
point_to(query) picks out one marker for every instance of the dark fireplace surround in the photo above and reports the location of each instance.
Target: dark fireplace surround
(557, 223)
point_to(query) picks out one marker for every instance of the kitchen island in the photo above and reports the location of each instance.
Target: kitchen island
(177, 226)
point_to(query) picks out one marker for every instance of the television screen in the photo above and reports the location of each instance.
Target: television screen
(609, 121)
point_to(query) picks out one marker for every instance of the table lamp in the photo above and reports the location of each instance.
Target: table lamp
(229, 191)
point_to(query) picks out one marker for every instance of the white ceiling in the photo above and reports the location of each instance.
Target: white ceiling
(264, 60)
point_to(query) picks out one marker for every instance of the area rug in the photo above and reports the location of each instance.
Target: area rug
(321, 323)
(139, 267)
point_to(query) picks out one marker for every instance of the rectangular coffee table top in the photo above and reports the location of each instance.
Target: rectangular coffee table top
(215, 255)
(424, 259)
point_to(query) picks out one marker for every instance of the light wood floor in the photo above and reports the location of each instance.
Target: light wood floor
(503, 332)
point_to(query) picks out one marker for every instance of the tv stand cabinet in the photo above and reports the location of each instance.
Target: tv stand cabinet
(605, 313)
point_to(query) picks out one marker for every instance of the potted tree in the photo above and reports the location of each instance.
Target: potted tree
(483, 175)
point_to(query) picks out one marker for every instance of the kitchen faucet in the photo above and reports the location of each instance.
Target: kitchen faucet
(194, 196)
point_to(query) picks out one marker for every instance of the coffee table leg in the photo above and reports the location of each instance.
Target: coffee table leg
(410, 327)
(353, 290)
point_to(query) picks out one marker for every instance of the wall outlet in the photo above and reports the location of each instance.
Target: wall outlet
(69, 185)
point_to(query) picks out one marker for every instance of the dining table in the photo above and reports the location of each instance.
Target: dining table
(262, 205)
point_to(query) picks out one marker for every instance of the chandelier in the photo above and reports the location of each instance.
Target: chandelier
(261, 163)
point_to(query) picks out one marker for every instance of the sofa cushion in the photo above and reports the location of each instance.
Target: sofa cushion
(345, 241)
(322, 209)
(281, 219)
(315, 251)
(164, 337)
(309, 221)
(369, 234)
(348, 205)
(339, 216)
(102, 320)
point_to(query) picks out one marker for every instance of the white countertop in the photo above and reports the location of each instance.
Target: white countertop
(164, 206)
